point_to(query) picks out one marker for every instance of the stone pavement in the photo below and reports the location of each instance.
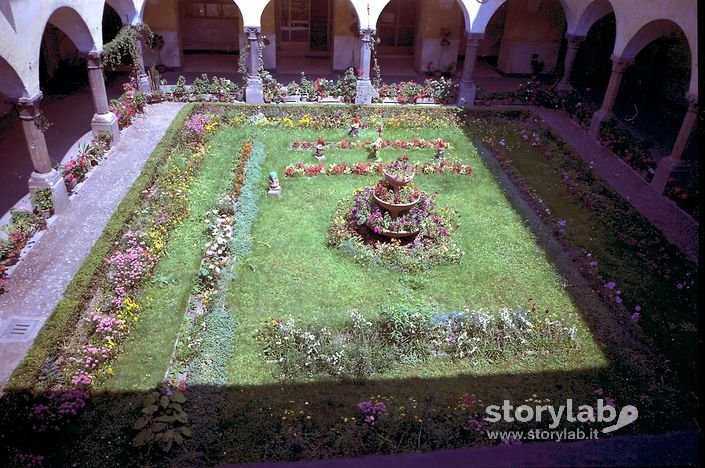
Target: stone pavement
(678, 227)
(673, 449)
(39, 280)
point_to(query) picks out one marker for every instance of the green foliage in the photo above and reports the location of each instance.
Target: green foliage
(407, 330)
(51, 373)
(27, 222)
(201, 85)
(209, 364)
(180, 88)
(306, 87)
(405, 335)
(125, 44)
(347, 85)
(163, 422)
(42, 199)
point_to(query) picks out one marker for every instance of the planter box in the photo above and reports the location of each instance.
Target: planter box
(292, 98)
(330, 100)
(389, 100)
(425, 101)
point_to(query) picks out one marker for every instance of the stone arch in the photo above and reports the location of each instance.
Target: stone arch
(125, 9)
(11, 84)
(594, 12)
(510, 39)
(647, 34)
(652, 31)
(71, 23)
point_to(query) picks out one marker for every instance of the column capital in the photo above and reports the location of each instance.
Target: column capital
(619, 64)
(252, 32)
(28, 106)
(366, 34)
(473, 39)
(574, 41)
(94, 59)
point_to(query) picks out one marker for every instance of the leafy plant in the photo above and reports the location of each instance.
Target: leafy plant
(306, 87)
(347, 85)
(201, 85)
(163, 422)
(42, 200)
(180, 88)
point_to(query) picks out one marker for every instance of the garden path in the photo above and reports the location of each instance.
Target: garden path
(38, 283)
(678, 227)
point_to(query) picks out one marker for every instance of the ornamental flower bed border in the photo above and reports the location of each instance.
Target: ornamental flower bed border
(301, 168)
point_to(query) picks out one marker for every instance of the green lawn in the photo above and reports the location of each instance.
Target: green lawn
(291, 272)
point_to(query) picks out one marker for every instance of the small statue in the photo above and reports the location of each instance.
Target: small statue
(376, 146)
(355, 127)
(441, 149)
(319, 149)
(275, 189)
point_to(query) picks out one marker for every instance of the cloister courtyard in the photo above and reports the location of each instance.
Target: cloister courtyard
(349, 232)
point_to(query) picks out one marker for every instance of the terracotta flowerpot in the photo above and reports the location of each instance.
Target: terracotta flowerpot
(394, 182)
(394, 235)
(395, 210)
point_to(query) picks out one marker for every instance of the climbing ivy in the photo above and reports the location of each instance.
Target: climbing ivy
(125, 43)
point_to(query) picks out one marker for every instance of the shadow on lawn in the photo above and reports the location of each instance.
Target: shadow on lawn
(271, 422)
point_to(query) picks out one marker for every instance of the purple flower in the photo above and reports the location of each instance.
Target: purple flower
(610, 285)
(618, 300)
(637, 308)
(635, 316)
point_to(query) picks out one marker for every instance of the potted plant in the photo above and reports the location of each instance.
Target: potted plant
(306, 89)
(43, 203)
(293, 92)
(399, 172)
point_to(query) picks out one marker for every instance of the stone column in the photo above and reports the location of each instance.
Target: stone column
(254, 93)
(364, 85)
(605, 112)
(570, 53)
(466, 92)
(103, 121)
(666, 165)
(44, 175)
(143, 83)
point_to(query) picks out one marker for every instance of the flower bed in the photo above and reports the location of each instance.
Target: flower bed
(128, 106)
(414, 143)
(89, 156)
(401, 335)
(23, 225)
(358, 222)
(368, 168)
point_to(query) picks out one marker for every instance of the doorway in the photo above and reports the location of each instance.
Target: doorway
(304, 25)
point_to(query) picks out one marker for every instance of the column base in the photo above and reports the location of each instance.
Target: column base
(364, 92)
(53, 181)
(598, 118)
(466, 94)
(663, 172)
(106, 123)
(143, 83)
(254, 93)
